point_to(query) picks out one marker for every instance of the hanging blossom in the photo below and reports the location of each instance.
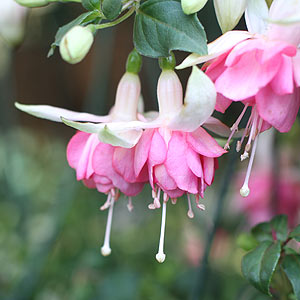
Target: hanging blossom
(101, 165)
(260, 68)
(179, 154)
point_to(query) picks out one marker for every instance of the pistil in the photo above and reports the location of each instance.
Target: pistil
(161, 256)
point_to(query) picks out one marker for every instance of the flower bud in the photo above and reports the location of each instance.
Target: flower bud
(192, 6)
(75, 44)
(229, 12)
(33, 3)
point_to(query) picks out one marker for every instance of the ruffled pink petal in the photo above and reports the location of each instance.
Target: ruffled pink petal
(158, 149)
(142, 151)
(177, 166)
(296, 67)
(283, 82)
(101, 179)
(163, 178)
(209, 169)
(204, 144)
(216, 68)
(222, 103)
(75, 148)
(90, 183)
(123, 163)
(82, 152)
(194, 162)
(244, 79)
(104, 188)
(278, 110)
(175, 193)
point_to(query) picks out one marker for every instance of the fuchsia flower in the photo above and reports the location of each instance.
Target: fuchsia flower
(261, 69)
(172, 151)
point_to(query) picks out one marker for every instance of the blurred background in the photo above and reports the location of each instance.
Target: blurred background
(51, 229)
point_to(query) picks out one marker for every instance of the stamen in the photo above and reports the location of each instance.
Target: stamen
(190, 211)
(174, 201)
(156, 202)
(246, 132)
(107, 202)
(201, 206)
(129, 205)
(235, 127)
(161, 256)
(105, 249)
(244, 191)
(166, 197)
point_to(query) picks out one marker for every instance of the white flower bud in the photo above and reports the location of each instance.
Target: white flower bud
(192, 6)
(32, 3)
(76, 44)
(229, 12)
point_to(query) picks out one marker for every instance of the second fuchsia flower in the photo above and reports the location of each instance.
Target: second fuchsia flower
(261, 69)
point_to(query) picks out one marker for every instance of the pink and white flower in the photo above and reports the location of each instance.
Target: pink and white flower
(260, 68)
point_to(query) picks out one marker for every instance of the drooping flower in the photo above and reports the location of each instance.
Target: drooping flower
(98, 164)
(260, 68)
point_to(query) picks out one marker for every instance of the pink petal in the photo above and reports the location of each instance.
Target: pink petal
(175, 193)
(177, 166)
(194, 162)
(90, 183)
(296, 66)
(163, 179)
(217, 67)
(278, 110)
(142, 151)
(158, 149)
(244, 79)
(209, 169)
(222, 103)
(204, 144)
(123, 163)
(283, 82)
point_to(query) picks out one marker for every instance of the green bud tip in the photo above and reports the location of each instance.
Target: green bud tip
(32, 3)
(167, 63)
(134, 62)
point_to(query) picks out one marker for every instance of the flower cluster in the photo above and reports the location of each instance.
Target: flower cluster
(172, 151)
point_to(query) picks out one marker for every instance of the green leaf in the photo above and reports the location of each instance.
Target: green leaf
(291, 266)
(262, 232)
(111, 8)
(295, 234)
(91, 4)
(246, 241)
(279, 226)
(161, 26)
(83, 19)
(258, 266)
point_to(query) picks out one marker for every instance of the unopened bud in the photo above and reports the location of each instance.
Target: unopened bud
(32, 3)
(192, 6)
(76, 44)
(229, 12)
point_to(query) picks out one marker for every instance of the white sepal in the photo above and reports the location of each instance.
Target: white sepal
(55, 114)
(199, 103)
(229, 12)
(216, 48)
(256, 16)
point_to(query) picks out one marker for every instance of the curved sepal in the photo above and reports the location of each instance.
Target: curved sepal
(55, 113)
(199, 103)
(256, 16)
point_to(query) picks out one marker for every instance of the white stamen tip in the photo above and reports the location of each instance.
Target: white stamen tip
(244, 191)
(226, 147)
(190, 214)
(160, 257)
(151, 206)
(156, 203)
(105, 250)
(244, 156)
(174, 201)
(201, 206)
(238, 146)
(129, 205)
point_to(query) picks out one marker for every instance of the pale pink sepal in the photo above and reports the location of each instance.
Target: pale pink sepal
(199, 103)
(55, 113)
(216, 48)
(256, 16)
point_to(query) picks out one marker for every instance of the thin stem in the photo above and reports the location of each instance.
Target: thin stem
(116, 22)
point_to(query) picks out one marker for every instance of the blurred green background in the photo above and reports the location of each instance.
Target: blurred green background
(51, 229)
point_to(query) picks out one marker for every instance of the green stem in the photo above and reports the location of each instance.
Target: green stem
(116, 22)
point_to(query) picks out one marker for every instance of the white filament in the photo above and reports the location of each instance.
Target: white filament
(161, 256)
